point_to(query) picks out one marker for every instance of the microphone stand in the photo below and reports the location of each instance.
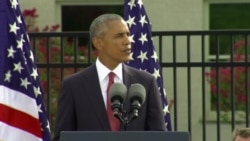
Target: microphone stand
(125, 117)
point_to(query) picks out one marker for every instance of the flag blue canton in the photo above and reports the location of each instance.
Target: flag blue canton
(18, 74)
(143, 52)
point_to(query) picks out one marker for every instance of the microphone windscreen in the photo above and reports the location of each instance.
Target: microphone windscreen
(118, 91)
(137, 92)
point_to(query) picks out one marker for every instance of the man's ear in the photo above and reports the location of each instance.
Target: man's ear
(97, 42)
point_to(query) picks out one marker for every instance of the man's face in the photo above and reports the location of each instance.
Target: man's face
(238, 138)
(114, 45)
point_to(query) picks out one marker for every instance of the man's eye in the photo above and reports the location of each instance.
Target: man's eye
(119, 35)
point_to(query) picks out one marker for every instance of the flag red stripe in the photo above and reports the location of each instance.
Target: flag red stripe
(20, 120)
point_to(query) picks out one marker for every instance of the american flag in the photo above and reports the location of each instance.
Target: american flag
(143, 52)
(22, 112)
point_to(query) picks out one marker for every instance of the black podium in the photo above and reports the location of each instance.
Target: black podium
(123, 136)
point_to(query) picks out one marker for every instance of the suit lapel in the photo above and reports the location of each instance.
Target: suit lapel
(96, 99)
(127, 76)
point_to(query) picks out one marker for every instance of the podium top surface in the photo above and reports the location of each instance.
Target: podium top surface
(123, 136)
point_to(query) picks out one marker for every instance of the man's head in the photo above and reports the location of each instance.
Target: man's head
(242, 134)
(110, 36)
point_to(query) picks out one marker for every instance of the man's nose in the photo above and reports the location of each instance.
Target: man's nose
(127, 40)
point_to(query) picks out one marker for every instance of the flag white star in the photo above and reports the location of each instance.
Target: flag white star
(34, 73)
(48, 127)
(31, 56)
(156, 73)
(39, 108)
(25, 59)
(7, 76)
(130, 21)
(143, 20)
(19, 20)
(37, 91)
(140, 3)
(143, 38)
(131, 38)
(14, 3)
(131, 4)
(22, 39)
(166, 123)
(165, 93)
(20, 44)
(143, 56)
(131, 56)
(154, 56)
(28, 39)
(159, 88)
(18, 67)
(24, 82)
(11, 52)
(165, 110)
(14, 27)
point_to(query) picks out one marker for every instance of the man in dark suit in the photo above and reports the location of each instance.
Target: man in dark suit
(82, 100)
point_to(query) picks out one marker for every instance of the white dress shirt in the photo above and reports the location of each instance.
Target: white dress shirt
(103, 72)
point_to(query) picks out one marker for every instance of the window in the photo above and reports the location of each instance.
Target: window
(227, 16)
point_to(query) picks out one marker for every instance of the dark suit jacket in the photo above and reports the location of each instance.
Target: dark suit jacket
(81, 106)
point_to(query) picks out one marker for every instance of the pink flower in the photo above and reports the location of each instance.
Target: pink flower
(228, 81)
(239, 44)
(30, 12)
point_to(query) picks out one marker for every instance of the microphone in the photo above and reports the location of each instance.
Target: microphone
(136, 94)
(117, 94)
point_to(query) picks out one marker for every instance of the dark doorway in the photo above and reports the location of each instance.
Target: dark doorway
(79, 18)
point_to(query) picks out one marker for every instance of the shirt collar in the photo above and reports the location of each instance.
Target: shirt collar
(103, 71)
